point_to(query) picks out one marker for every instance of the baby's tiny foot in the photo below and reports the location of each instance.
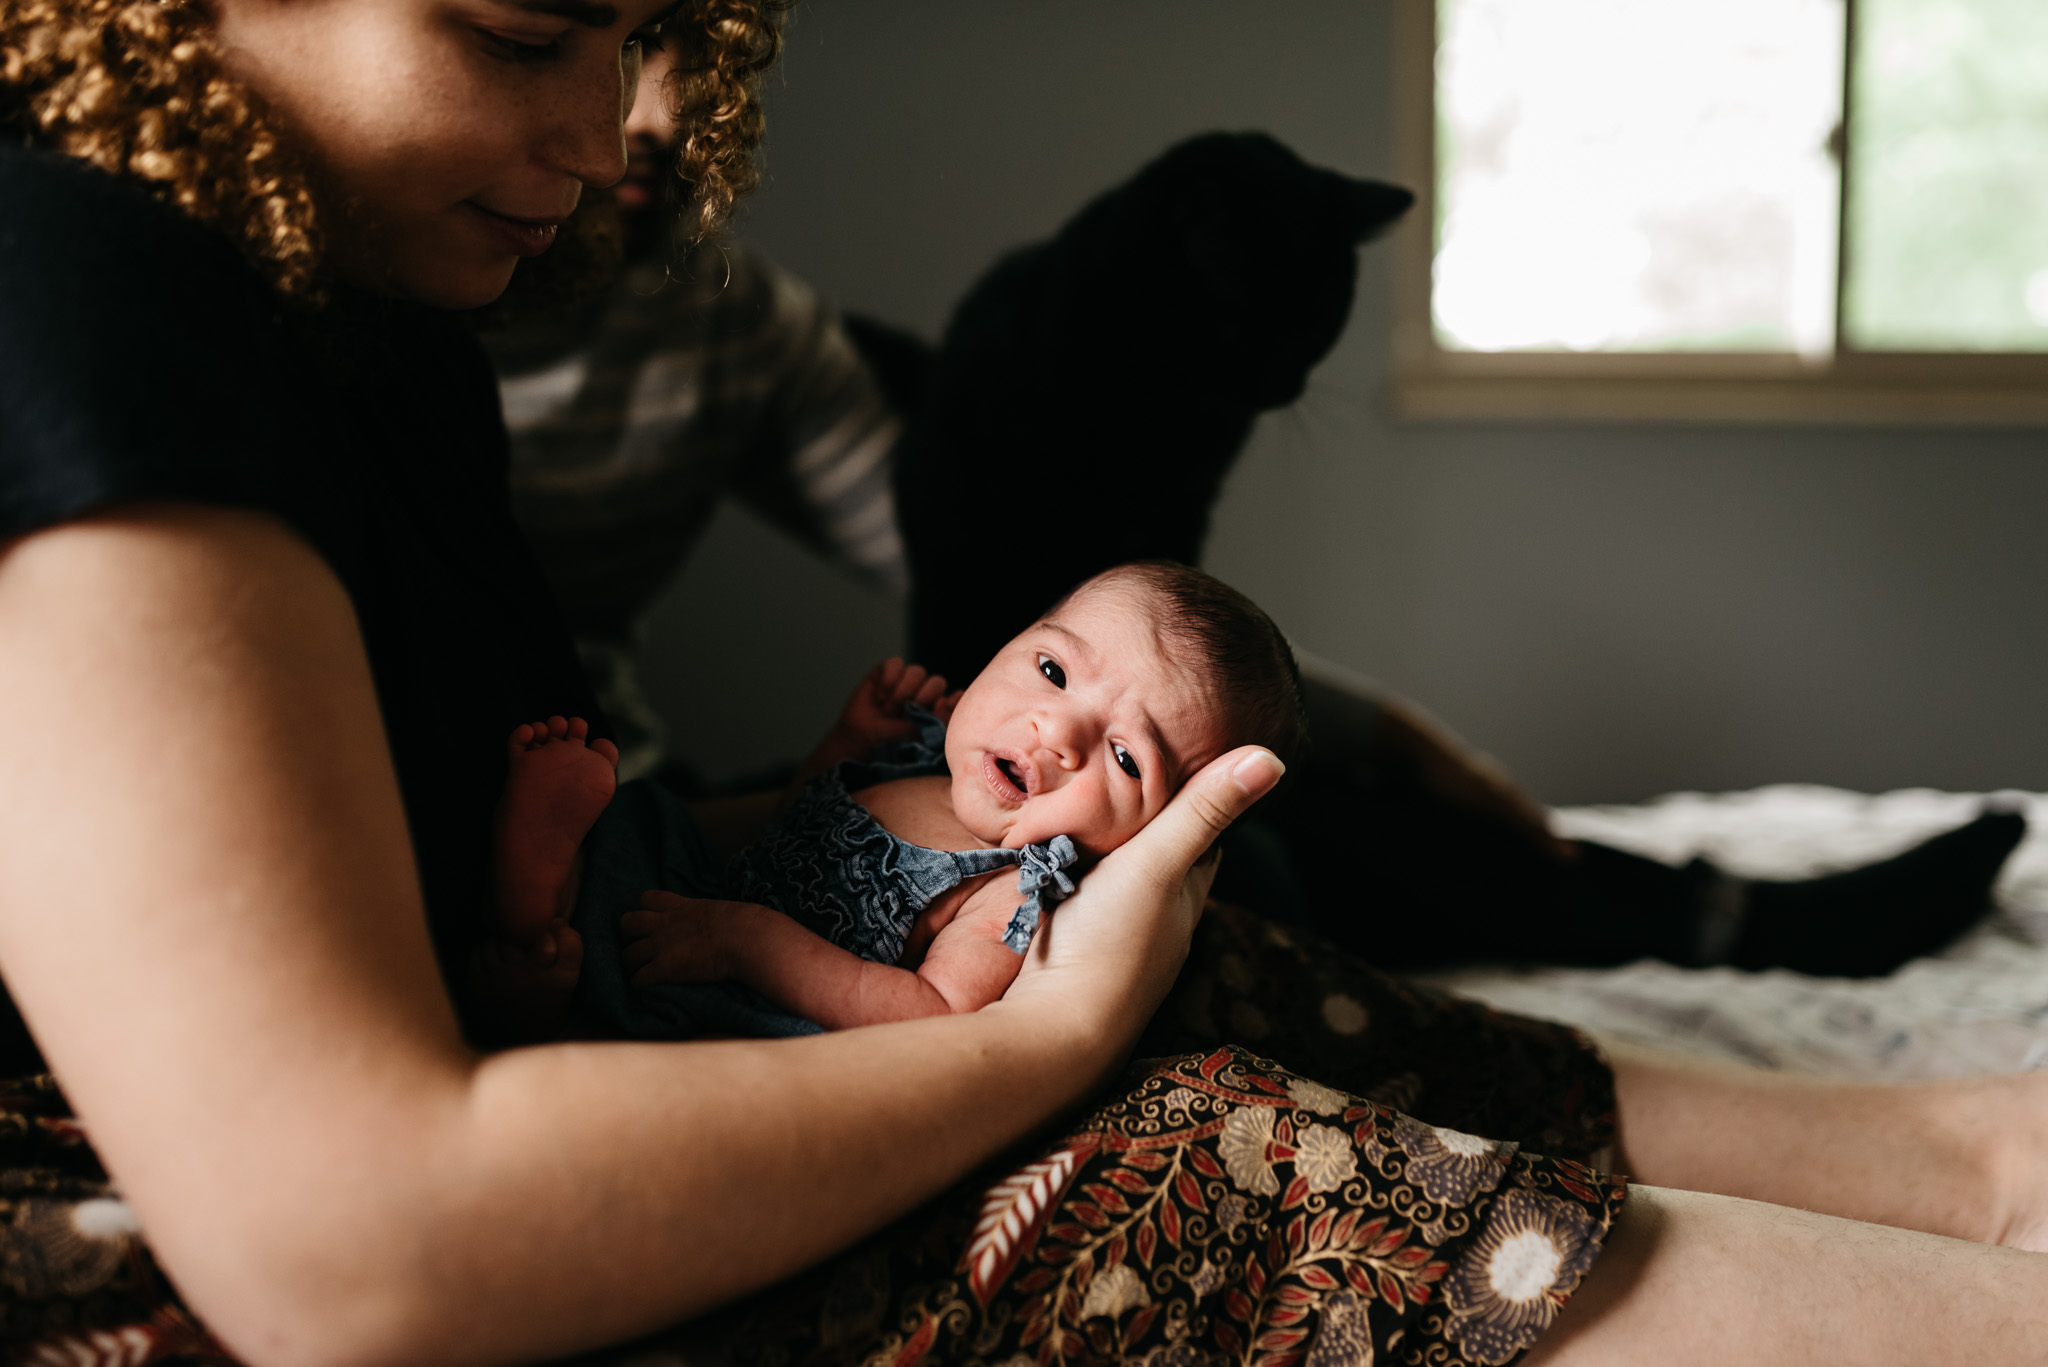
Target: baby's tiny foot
(557, 783)
(527, 989)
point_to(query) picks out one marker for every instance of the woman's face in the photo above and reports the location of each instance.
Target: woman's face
(449, 137)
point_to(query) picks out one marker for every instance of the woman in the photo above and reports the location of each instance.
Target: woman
(255, 537)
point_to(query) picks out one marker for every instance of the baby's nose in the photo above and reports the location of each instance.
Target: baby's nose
(1061, 742)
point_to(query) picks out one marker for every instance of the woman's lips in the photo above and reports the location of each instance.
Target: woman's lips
(998, 771)
(525, 236)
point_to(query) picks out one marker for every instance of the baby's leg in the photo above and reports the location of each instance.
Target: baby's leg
(558, 783)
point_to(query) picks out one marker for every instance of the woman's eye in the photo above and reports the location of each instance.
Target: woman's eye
(1125, 761)
(512, 50)
(1050, 667)
(645, 40)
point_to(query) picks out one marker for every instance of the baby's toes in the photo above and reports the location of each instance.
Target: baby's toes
(537, 954)
(568, 963)
(558, 727)
(608, 750)
(578, 728)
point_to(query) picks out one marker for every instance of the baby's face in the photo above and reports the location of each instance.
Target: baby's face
(1082, 726)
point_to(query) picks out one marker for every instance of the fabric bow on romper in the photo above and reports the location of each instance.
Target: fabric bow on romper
(825, 862)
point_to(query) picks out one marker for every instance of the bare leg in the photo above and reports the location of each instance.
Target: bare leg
(557, 785)
(1968, 1159)
(1689, 1278)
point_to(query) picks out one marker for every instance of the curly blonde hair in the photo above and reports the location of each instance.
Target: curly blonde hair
(723, 48)
(137, 88)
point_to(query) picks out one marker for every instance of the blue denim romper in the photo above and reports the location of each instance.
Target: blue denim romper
(825, 862)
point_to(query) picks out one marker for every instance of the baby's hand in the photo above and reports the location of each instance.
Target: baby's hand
(673, 939)
(874, 715)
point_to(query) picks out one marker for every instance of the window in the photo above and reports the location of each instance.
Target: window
(1699, 209)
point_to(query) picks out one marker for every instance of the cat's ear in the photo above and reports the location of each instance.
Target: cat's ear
(1366, 207)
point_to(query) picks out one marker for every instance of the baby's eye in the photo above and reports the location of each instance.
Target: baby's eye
(1125, 761)
(1050, 667)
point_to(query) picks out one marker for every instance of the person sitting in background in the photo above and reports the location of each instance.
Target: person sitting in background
(654, 376)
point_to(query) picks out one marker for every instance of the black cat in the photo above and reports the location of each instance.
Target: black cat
(1092, 391)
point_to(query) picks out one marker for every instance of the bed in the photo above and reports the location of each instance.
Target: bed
(1979, 1007)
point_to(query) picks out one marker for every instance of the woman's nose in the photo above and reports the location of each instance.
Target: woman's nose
(586, 134)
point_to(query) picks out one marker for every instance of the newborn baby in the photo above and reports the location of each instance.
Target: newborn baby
(880, 891)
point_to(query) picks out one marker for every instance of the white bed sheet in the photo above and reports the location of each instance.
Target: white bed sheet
(1979, 1007)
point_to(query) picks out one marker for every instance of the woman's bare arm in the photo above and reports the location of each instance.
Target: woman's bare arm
(209, 917)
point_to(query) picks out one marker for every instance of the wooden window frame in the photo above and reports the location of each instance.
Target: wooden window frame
(1977, 389)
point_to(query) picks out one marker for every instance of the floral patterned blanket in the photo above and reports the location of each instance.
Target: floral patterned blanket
(1417, 1183)
(1219, 1211)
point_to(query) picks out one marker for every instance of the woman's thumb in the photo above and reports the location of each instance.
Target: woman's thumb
(1204, 809)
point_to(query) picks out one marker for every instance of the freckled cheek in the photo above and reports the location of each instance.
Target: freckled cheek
(448, 118)
(394, 175)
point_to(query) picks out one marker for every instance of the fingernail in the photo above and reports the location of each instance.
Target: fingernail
(1256, 773)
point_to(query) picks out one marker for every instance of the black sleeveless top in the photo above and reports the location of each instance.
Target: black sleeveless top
(142, 358)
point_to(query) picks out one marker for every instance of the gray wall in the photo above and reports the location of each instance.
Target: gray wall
(1613, 611)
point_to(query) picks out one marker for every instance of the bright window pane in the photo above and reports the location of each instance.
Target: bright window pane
(1629, 175)
(1948, 176)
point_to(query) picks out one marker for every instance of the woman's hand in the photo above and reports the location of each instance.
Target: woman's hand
(1105, 958)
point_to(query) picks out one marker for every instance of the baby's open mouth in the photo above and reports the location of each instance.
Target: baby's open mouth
(1006, 777)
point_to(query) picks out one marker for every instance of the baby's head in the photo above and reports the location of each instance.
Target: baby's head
(1088, 723)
